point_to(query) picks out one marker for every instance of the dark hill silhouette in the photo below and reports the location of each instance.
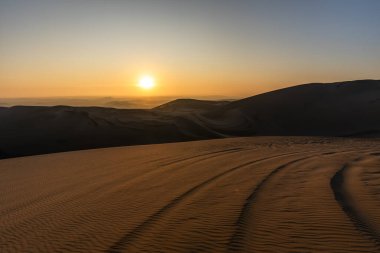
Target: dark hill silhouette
(38, 130)
(337, 109)
(190, 105)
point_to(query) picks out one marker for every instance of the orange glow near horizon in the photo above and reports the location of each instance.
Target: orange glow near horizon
(229, 48)
(123, 83)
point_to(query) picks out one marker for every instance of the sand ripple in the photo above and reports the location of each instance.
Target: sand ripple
(263, 194)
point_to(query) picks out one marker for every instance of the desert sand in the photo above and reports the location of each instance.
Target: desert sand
(336, 109)
(253, 194)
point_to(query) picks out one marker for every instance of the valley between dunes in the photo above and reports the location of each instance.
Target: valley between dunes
(252, 194)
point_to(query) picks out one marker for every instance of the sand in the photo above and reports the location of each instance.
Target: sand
(336, 109)
(255, 194)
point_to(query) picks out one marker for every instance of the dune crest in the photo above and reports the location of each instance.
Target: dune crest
(337, 109)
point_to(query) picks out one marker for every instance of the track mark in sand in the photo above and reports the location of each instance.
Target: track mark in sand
(201, 155)
(343, 199)
(165, 161)
(117, 182)
(124, 242)
(236, 240)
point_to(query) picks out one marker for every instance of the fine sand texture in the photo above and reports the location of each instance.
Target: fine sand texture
(252, 194)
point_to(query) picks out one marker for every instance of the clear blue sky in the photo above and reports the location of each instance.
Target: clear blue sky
(195, 47)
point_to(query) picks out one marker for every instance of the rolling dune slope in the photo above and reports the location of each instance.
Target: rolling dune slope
(336, 109)
(349, 108)
(258, 194)
(26, 130)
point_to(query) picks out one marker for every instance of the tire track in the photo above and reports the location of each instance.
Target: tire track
(50, 195)
(201, 155)
(73, 200)
(342, 197)
(165, 163)
(235, 243)
(125, 241)
(78, 209)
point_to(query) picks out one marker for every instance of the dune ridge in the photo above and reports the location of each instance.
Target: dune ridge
(338, 109)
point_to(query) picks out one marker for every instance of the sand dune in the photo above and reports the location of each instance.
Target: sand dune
(40, 130)
(338, 109)
(335, 109)
(259, 194)
(190, 106)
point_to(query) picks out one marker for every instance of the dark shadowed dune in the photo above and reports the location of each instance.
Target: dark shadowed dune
(190, 105)
(38, 130)
(337, 109)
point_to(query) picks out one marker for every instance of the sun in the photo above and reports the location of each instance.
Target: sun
(147, 82)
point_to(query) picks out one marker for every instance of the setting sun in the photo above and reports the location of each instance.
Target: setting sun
(146, 82)
(190, 126)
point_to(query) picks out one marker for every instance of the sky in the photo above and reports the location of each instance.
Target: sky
(192, 48)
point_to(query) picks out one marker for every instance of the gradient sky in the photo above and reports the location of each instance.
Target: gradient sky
(198, 47)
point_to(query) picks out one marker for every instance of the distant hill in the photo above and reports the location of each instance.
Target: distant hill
(27, 130)
(337, 109)
(190, 105)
